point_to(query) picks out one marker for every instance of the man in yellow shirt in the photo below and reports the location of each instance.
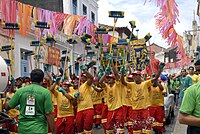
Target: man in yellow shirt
(97, 102)
(104, 109)
(74, 90)
(65, 115)
(54, 99)
(156, 93)
(140, 101)
(197, 68)
(193, 76)
(85, 111)
(115, 118)
(127, 101)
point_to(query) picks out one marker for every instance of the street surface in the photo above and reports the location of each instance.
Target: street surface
(170, 128)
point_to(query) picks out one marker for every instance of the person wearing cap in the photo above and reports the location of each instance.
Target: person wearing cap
(26, 82)
(65, 115)
(153, 64)
(126, 101)
(104, 107)
(115, 118)
(54, 86)
(140, 101)
(130, 78)
(36, 108)
(74, 90)
(192, 75)
(97, 102)
(85, 110)
(156, 110)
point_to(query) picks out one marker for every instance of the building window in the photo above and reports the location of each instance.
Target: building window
(74, 3)
(92, 17)
(84, 10)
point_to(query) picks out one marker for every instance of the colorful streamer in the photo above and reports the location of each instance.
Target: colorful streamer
(24, 18)
(165, 21)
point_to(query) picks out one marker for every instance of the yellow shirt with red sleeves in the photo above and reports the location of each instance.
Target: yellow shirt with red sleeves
(96, 97)
(156, 96)
(140, 94)
(126, 95)
(65, 108)
(54, 98)
(114, 99)
(12, 112)
(85, 98)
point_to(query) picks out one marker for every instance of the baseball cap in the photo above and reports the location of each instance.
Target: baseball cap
(66, 83)
(95, 79)
(148, 78)
(26, 80)
(111, 76)
(137, 72)
(130, 76)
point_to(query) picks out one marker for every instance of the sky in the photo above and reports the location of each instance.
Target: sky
(144, 14)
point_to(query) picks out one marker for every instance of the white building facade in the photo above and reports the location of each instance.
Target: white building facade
(88, 8)
(23, 65)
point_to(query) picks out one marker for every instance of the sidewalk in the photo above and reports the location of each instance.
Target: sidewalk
(180, 128)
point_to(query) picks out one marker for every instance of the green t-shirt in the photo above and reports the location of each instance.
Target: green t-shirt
(171, 86)
(36, 123)
(185, 82)
(191, 101)
(176, 84)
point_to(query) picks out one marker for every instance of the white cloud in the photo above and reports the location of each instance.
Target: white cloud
(144, 16)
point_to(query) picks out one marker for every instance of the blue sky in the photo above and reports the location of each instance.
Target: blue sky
(144, 16)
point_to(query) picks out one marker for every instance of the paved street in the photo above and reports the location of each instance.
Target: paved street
(170, 128)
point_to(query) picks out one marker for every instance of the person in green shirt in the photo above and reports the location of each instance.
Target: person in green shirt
(36, 108)
(190, 109)
(177, 88)
(185, 82)
(171, 86)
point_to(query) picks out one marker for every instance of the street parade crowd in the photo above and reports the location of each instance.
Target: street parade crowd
(122, 91)
(115, 99)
